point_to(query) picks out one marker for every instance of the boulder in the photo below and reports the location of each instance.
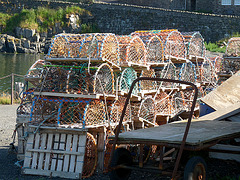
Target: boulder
(10, 44)
(28, 33)
(25, 43)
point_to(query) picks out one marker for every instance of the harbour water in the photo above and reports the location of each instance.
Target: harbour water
(17, 64)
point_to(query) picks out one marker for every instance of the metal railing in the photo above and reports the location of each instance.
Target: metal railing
(12, 83)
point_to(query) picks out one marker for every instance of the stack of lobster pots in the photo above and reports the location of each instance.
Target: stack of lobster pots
(74, 97)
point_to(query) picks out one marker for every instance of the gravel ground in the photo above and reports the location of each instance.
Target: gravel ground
(8, 170)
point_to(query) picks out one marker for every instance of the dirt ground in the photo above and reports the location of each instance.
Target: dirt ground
(217, 169)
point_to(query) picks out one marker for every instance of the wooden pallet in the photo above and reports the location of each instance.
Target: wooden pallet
(55, 152)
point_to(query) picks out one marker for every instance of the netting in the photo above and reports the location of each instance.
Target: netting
(147, 110)
(163, 104)
(95, 113)
(34, 74)
(123, 43)
(177, 102)
(90, 157)
(127, 77)
(208, 74)
(99, 45)
(169, 72)
(230, 66)
(188, 72)
(26, 103)
(148, 85)
(233, 47)
(78, 79)
(187, 98)
(154, 46)
(195, 44)
(217, 63)
(77, 113)
(136, 51)
(173, 43)
(116, 111)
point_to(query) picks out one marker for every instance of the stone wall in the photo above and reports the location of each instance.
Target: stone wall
(124, 19)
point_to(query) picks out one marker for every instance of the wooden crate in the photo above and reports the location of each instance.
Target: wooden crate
(55, 152)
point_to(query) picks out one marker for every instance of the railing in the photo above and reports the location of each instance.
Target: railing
(12, 83)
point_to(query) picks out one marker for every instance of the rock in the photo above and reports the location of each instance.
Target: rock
(28, 33)
(21, 50)
(25, 43)
(10, 44)
(19, 32)
(2, 44)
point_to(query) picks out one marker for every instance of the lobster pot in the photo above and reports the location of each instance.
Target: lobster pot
(173, 44)
(136, 51)
(54, 79)
(144, 35)
(103, 80)
(95, 114)
(169, 72)
(116, 111)
(155, 51)
(78, 79)
(123, 43)
(146, 84)
(187, 98)
(147, 110)
(233, 47)
(230, 66)
(188, 72)
(208, 74)
(177, 102)
(58, 112)
(194, 44)
(34, 74)
(163, 104)
(127, 77)
(217, 63)
(99, 45)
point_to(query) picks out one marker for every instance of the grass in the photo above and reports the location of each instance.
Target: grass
(44, 18)
(213, 47)
(5, 98)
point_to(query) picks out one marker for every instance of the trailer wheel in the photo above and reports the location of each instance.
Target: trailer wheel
(195, 169)
(121, 156)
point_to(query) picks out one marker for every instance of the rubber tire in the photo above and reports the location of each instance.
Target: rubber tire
(121, 156)
(190, 168)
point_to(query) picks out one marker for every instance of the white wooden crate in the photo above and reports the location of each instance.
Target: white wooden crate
(55, 152)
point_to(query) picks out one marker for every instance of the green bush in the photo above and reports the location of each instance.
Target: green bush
(44, 18)
(213, 47)
(3, 19)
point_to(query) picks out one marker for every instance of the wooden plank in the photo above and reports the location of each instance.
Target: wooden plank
(225, 95)
(20, 133)
(28, 155)
(61, 156)
(60, 152)
(81, 149)
(22, 118)
(52, 173)
(35, 154)
(100, 148)
(49, 146)
(66, 157)
(55, 156)
(73, 157)
(42, 147)
(173, 132)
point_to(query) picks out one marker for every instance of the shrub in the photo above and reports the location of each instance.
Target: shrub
(213, 47)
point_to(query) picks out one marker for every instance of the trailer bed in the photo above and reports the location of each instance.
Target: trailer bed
(200, 133)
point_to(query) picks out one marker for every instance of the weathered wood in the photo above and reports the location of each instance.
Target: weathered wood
(200, 132)
(49, 146)
(68, 148)
(35, 154)
(73, 157)
(28, 155)
(20, 132)
(100, 147)
(42, 147)
(56, 154)
(225, 95)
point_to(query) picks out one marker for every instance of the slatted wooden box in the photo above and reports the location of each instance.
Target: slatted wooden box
(55, 152)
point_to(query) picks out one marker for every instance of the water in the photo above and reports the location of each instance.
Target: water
(17, 64)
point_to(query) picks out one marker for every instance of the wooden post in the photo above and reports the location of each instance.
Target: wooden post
(12, 89)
